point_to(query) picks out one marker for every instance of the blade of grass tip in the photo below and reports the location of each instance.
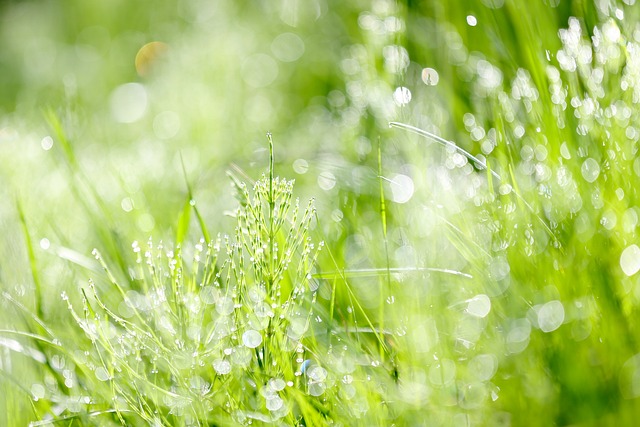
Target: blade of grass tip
(383, 220)
(271, 215)
(192, 203)
(444, 142)
(32, 260)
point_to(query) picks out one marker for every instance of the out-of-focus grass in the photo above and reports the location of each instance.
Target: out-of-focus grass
(532, 320)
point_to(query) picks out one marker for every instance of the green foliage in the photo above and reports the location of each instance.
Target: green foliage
(481, 260)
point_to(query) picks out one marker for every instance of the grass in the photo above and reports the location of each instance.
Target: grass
(468, 256)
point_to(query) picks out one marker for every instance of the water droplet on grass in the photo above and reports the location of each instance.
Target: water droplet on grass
(46, 143)
(224, 306)
(630, 378)
(442, 372)
(402, 188)
(287, 47)
(479, 306)
(274, 403)
(430, 76)
(251, 338)
(484, 366)
(402, 96)
(300, 166)
(102, 374)
(590, 170)
(317, 389)
(551, 316)
(630, 260)
(276, 384)
(326, 180)
(317, 373)
(44, 243)
(129, 102)
(259, 70)
(222, 366)
(38, 391)
(518, 336)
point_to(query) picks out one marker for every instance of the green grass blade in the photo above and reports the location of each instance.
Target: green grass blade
(33, 265)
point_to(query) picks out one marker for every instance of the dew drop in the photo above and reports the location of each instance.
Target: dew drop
(251, 338)
(590, 170)
(402, 188)
(479, 306)
(222, 366)
(442, 372)
(38, 391)
(630, 260)
(102, 374)
(484, 366)
(274, 403)
(276, 384)
(317, 389)
(551, 316)
(317, 373)
(46, 143)
(402, 96)
(44, 243)
(430, 76)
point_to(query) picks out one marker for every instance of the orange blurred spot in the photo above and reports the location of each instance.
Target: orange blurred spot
(148, 55)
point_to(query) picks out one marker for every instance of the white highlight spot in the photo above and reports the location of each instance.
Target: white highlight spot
(551, 316)
(472, 20)
(402, 188)
(166, 125)
(221, 366)
(251, 338)
(484, 366)
(590, 170)
(38, 391)
(46, 143)
(479, 306)
(259, 70)
(430, 77)
(442, 373)
(287, 47)
(326, 180)
(44, 243)
(300, 166)
(129, 102)
(274, 403)
(402, 96)
(102, 374)
(630, 260)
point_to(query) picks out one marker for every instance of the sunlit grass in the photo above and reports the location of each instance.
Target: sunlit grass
(480, 256)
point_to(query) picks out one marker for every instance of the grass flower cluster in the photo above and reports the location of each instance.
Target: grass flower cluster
(234, 336)
(474, 169)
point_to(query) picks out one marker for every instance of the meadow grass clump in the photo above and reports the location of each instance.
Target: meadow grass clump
(230, 334)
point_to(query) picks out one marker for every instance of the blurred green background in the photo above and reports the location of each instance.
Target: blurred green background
(103, 102)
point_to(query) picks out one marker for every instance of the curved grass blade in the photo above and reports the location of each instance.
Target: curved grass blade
(373, 272)
(444, 142)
